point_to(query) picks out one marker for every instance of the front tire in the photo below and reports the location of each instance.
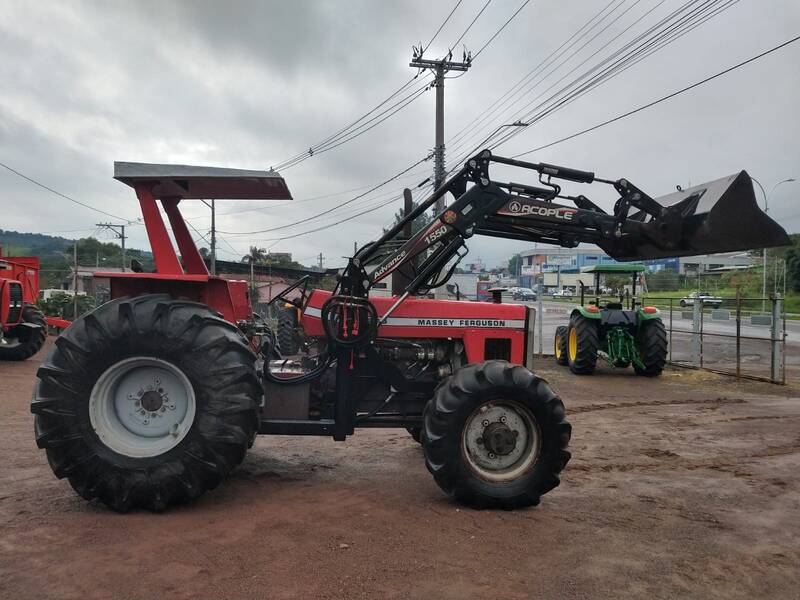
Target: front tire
(583, 341)
(652, 347)
(560, 345)
(470, 445)
(147, 402)
(25, 341)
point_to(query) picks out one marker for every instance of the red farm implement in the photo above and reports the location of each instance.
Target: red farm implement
(23, 327)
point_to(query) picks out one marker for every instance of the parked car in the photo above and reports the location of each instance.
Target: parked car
(563, 293)
(707, 299)
(525, 294)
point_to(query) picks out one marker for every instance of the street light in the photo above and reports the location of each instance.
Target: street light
(764, 251)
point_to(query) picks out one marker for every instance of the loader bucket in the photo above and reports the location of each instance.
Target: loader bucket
(718, 216)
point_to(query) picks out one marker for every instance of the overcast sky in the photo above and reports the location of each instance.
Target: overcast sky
(249, 84)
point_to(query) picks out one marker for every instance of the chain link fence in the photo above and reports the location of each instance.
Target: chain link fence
(744, 337)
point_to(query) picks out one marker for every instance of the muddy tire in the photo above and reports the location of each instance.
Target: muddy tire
(287, 333)
(583, 341)
(560, 345)
(25, 341)
(652, 347)
(416, 433)
(147, 402)
(470, 445)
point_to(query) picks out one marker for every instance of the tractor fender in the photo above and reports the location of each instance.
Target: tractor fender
(582, 311)
(641, 315)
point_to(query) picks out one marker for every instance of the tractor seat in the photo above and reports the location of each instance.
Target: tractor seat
(614, 305)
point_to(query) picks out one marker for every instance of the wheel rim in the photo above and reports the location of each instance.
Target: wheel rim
(142, 406)
(500, 440)
(557, 348)
(573, 343)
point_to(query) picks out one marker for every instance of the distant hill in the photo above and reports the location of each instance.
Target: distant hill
(55, 253)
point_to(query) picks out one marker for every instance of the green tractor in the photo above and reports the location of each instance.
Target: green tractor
(625, 336)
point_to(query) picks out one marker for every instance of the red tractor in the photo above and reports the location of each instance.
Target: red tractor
(23, 327)
(154, 397)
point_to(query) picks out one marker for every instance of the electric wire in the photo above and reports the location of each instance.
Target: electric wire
(660, 100)
(57, 193)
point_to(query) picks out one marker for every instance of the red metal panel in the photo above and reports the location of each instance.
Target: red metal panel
(163, 251)
(227, 297)
(24, 269)
(440, 319)
(188, 249)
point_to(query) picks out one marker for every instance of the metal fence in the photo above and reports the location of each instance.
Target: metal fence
(744, 337)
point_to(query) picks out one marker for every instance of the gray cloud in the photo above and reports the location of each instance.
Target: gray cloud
(248, 84)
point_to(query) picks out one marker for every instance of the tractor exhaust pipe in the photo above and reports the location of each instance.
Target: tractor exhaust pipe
(718, 216)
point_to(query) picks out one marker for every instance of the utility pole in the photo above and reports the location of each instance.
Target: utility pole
(75, 280)
(119, 231)
(320, 257)
(213, 239)
(439, 69)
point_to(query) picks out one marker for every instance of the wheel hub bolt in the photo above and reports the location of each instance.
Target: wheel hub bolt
(486, 422)
(492, 455)
(503, 419)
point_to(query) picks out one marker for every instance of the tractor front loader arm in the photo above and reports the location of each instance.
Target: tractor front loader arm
(718, 216)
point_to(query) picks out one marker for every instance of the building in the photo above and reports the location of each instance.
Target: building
(560, 267)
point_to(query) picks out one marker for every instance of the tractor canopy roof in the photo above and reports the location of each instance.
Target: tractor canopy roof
(615, 268)
(193, 182)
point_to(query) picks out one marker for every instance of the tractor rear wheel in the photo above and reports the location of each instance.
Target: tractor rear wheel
(560, 345)
(147, 402)
(416, 433)
(287, 334)
(495, 436)
(583, 341)
(652, 347)
(23, 341)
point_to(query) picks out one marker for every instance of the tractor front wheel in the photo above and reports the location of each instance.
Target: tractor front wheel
(583, 341)
(652, 347)
(147, 402)
(495, 436)
(560, 345)
(27, 338)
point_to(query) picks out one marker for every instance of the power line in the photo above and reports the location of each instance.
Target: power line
(480, 12)
(350, 218)
(57, 193)
(338, 206)
(441, 26)
(496, 33)
(666, 31)
(660, 100)
(330, 142)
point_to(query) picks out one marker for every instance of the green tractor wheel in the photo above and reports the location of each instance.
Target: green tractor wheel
(583, 341)
(651, 342)
(560, 345)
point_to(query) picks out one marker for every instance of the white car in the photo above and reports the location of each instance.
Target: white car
(562, 293)
(706, 298)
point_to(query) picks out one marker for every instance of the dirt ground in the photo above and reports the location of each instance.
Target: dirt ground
(683, 486)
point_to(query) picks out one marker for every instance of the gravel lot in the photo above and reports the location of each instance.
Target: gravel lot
(684, 486)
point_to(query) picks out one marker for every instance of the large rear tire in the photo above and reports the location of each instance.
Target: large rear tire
(147, 402)
(652, 347)
(287, 333)
(583, 341)
(471, 447)
(560, 345)
(22, 341)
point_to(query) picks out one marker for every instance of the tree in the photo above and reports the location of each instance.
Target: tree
(515, 264)
(793, 269)
(255, 255)
(417, 224)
